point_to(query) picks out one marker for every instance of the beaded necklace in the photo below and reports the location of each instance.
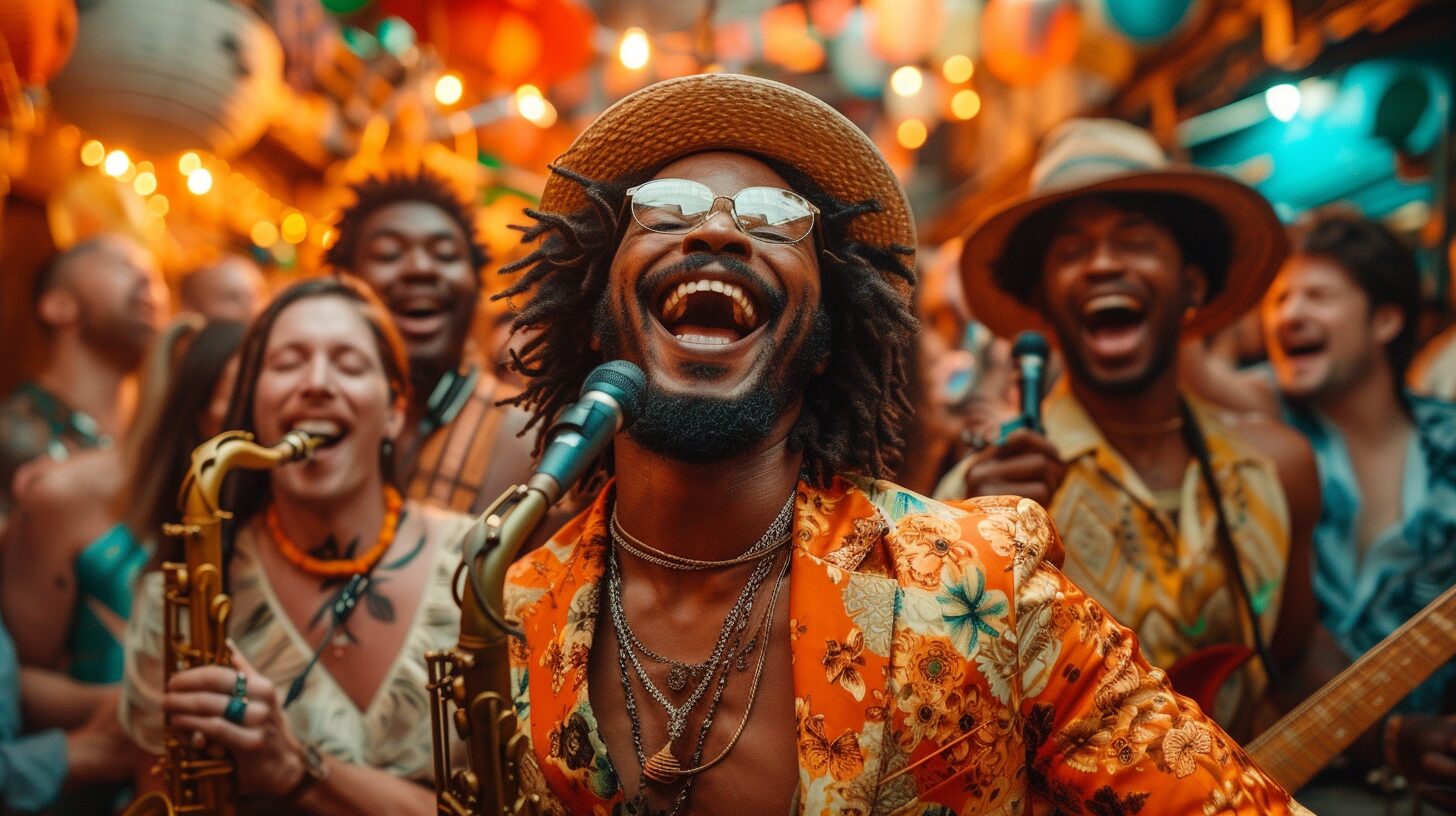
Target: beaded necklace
(338, 567)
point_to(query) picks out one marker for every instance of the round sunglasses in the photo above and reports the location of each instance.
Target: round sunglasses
(770, 214)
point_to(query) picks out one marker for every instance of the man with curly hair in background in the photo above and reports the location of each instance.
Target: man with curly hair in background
(746, 619)
(413, 241)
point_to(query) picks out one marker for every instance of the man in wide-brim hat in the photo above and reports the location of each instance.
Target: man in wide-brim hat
(746, 620)
(1119, 255)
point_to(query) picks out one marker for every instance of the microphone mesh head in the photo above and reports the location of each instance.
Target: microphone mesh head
(623, 381)
(1030, 343)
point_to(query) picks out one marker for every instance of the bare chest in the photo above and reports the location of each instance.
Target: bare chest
(1380, 472)
(746, 734)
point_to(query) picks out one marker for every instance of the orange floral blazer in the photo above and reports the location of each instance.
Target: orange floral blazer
(942, 664)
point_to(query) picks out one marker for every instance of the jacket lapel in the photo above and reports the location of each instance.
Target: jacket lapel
(842, 623)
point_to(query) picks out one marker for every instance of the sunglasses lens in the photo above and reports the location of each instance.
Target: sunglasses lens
(671, 205)
(766, 213)
(773, 214)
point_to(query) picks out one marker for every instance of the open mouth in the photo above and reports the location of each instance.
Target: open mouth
(708, 312)
(1303, 348)
(419, 317)
(329, 429)
(1114, 324)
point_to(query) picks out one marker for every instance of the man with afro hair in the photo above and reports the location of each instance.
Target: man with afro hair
(412, 239)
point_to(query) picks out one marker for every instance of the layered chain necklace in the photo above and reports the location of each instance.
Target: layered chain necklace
(730, 652)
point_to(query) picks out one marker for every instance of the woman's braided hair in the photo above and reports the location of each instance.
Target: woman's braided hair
(854, 413)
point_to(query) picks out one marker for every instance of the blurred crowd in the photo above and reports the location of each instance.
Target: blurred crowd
(1242, 429)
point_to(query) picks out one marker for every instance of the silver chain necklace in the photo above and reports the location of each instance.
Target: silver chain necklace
(638, 804)
(778, 533)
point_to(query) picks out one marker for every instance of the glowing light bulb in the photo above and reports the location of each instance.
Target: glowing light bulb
(295, 228)
(449, 89)
(907, 80)
(199, 181)
(533, 107)
(958, 69)
(116, 163)
(264, 234)
(1283, 101)
(145, 183)
(911, 134)
(635, 50)
(92, 153)
(965, 104)
(189, 163)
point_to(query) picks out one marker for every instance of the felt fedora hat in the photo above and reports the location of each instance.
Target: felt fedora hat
(1087, 157)
(694, 114)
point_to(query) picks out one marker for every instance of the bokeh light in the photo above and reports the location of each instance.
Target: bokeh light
(635, 50)
(965, 104)
(907, 81)
(449, 89)
(116, 163)
(911, 134)
(199, 181)
(958, 69)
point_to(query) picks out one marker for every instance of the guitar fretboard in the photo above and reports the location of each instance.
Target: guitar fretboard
(1317, 730)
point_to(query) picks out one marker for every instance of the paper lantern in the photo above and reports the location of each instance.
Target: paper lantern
(514, 43)
(170, 75)
(961, 32)
(40, 34)
(1022, 41)
(1148, 21)
(786, 39)
(904, 31)
(854, 67)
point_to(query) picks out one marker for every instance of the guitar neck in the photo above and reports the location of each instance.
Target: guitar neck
(1321, 727)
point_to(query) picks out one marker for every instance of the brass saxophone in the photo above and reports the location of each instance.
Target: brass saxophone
(195, 616)
(470, 684)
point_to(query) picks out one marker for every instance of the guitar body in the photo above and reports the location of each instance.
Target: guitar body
(1200, 675)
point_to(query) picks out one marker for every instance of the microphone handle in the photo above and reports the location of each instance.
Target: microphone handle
(1032, 370)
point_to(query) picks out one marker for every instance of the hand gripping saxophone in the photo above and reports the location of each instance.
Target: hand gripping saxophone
(195, 616)
(470, 684)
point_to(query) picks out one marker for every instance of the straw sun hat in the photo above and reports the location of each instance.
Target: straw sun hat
(693, 114)
(1084, 157)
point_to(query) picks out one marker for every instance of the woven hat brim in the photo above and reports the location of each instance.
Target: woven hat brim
(1259, 245)
(694, 114)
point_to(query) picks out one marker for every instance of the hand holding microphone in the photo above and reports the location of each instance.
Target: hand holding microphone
(1023, 462)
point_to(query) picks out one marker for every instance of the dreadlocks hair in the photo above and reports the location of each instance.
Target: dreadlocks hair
(378, 192)
(852, 414)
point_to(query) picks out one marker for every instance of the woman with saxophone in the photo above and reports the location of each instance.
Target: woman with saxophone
(337, 587)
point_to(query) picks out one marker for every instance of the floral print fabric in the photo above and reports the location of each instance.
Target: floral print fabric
(941, 665)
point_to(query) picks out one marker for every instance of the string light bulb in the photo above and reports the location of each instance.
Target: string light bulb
(907, 80)
(635, 50)
(145, 183)
(449, 89)
(911, 134)
(199, 181)
(92, 153)
(116, 163)
(533, 107)
(264, 234)
(958, 69)
(294, 228)
(965, 104)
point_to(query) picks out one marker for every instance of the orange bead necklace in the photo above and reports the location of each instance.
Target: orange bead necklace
(340, 567)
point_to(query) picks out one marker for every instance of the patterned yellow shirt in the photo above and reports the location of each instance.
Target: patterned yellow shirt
(1163, 578)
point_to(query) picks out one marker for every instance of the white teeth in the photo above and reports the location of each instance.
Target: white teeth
(1113, 301)
(743, 310)
(320, 427)
(703, 339)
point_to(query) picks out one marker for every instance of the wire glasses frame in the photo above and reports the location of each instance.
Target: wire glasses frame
(769, 214)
